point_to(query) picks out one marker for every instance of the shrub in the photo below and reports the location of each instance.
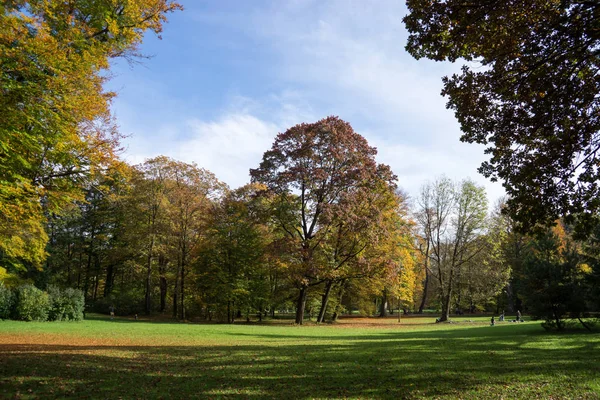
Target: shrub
(66, 305)
(76, 304)
(32, 304)
(7, 301)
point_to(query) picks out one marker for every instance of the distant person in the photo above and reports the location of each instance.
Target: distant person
(502, 316)
(112, 311)
(493, 321)
(519, 316)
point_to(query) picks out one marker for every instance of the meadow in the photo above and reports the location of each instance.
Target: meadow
(355, 358)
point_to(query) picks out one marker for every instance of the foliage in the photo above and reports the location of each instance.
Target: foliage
(555, 279)
(535, 101)
(454, 225)
(31, 304)
(232, 260)
(7, 301)
(66, 305)
(128, 300)
(318, 174)
(56, 127)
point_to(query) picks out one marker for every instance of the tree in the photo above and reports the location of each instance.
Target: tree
(371, 219)
(232, 258)
(454, 227)
(151, 201)
(190, 191)
(87, 243)
(313, 169)
(555, 279)
(535, 102)
(56, 127)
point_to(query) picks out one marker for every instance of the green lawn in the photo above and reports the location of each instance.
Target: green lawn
(362, 358)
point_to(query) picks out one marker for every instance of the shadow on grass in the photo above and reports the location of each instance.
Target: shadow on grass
(474, 362)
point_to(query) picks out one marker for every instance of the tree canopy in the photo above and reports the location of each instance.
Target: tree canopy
(323, 175)
(56, 127)
(533, 95)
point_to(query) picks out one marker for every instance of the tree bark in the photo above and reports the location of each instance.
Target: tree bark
(176, 294)
(149, 275)
(301, 305)
(446, 299)
(338, 306)
(182, 311)
(163, 294)
(324, 301)
(426, 283)
(96, 276)
(110, 280)
(383, 305)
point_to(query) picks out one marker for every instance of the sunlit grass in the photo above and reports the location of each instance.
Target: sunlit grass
(357, 358)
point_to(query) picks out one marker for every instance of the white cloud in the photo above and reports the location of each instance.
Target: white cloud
(228, 146)
(341, 57)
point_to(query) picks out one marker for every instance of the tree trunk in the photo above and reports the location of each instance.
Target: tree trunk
(149, 275)
(182, 311)
(163, 294)
(79, 270)
(426, 283)
(301, 304)
(446, 303)
(86, 284)
(510, 300)
(97, 276)
(324, 301)
(557, 318)
(110, 280)
(175, 294)
(383, 305)
(338, 306)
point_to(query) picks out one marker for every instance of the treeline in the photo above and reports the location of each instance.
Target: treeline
(321, 229)
(167, 236)
(474, 261)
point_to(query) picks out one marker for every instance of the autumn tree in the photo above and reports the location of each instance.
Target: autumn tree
(534, 101)
(190, 191)
(370, 218)
(454, 228)
(313, 169)
(56, 127)
(151, 202)
(232, 258)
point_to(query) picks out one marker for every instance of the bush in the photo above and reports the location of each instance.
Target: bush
(32, 304)
(66, 305)
(7, 301)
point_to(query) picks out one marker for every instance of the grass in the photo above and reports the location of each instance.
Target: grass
(357, 358)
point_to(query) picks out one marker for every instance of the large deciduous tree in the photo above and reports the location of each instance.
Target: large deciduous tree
(56, 128)
(453, 221)
(535, 102)
(315, 170)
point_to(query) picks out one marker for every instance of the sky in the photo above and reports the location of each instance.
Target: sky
(229, 75)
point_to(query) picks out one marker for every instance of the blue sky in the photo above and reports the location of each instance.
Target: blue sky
(228, 75)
